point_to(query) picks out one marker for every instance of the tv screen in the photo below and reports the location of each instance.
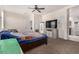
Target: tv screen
(51, 24)
(48, 24)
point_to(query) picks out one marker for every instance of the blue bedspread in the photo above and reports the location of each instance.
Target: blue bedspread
(7, 35)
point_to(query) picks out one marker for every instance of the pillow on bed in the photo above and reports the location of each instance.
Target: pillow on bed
(16, 34)
(12, 30)
(8, 30)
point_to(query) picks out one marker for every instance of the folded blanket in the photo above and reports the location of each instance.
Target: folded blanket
(26, 37)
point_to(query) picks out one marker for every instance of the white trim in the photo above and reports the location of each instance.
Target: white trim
(2, 19)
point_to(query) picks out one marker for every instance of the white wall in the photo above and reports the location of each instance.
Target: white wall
(62, 21)
(17, 21)
(0, 19)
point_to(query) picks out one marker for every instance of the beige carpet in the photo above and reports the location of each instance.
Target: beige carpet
(57, 46)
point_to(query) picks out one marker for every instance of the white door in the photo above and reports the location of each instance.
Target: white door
(42, 26)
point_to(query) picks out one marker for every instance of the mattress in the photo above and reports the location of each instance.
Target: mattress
(7, 35)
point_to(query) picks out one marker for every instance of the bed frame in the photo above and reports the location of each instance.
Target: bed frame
(30, 46)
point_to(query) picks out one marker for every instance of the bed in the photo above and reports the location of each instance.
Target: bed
(26, 44)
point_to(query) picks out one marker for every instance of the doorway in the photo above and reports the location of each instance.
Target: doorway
(74, 23)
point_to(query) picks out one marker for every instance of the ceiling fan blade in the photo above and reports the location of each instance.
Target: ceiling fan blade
(41, 8)
(38, 10)
(33, 10)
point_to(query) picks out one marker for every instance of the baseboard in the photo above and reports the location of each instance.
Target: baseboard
(62, 38)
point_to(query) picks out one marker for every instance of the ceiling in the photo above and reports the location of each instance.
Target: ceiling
(23, 9)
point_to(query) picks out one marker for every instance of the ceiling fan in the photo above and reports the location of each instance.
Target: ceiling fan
(36, 8)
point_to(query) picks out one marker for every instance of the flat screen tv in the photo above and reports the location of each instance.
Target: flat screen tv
(51, 24)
